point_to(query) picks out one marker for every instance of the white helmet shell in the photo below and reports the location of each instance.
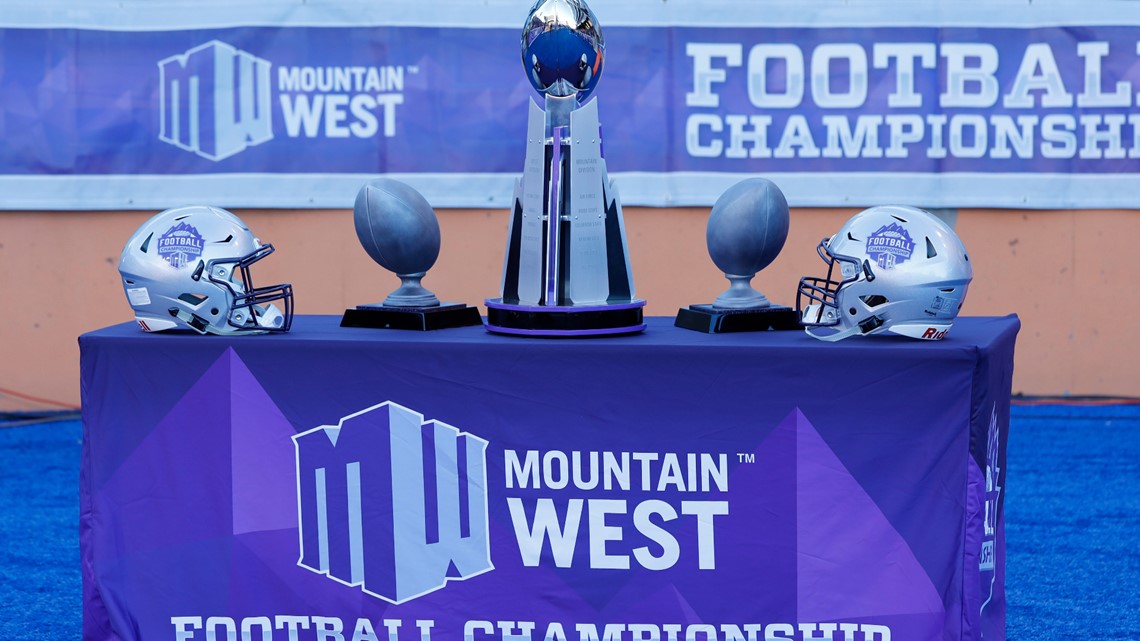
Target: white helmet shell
(890, 269)
(189, 267)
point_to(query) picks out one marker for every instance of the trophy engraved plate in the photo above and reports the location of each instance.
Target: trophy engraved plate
(567, 270)
(589, 274)
(530, 280)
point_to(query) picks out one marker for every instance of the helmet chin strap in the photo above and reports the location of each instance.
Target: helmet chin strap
(196, 323)
(813, 313)
(265, 318)
(268, 316)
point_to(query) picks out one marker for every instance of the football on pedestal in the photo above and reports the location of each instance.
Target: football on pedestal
(746, 231)
(398, 229)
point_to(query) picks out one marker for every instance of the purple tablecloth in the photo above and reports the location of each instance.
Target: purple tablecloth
(348, 484)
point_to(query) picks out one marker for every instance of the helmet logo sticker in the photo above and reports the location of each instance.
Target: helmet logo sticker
(180, 245)
(941, 305)
(890, 245)
(138, 296)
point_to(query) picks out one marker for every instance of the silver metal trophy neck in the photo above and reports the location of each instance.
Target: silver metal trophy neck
(558, 110)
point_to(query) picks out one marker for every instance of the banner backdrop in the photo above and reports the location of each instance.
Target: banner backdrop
(276, 108)
(338, 484)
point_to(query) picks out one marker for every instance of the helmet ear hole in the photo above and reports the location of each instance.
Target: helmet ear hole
(874, 300)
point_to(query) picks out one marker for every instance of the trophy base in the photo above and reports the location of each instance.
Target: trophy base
(422, 319)
(564, 322)
(708, 319)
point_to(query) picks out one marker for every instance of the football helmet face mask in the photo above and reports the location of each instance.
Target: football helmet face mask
(889, 269)
(189, 267)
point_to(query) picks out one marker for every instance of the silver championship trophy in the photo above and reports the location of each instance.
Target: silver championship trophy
(747, 229)
(566, 271)
(399, 230)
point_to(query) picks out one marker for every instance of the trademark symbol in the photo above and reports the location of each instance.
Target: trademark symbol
(413, 68)
(746, 457)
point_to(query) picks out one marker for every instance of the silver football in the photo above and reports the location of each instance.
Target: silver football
(563, 50)
(396, 226)
(747, 226)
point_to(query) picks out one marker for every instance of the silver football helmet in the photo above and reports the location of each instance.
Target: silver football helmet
(189, 268)
(889, 269)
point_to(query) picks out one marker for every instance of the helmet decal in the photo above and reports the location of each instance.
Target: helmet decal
(180, 245)
(890, 245)
(942, 305)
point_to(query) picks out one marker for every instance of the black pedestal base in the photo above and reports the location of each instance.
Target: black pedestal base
(415, 318)
(706, 318)
(565, 322)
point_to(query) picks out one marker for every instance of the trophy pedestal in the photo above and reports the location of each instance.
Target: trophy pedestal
(710, 320)
(565, 321)
(415, 318)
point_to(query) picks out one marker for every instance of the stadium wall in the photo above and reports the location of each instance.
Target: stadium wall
(1067, 274)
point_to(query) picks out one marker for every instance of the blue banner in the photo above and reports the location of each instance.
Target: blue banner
(283, 115)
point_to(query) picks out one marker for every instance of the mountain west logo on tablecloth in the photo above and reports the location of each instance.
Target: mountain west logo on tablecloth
(392, 503)
(214, 100)
(890, 245)
(986, 561)
(180, 245)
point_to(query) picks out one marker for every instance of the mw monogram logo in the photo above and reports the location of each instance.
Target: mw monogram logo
(392, 503)
(214, 100)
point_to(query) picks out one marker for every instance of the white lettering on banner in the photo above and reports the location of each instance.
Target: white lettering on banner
(327, 628)
(970, 69)
(540, 522)
(796, 140)
(341, 79)
(863, 142)
(904, 54)
(1093, 95)
(909, 135)
(340, 102)
(822, 60)
(754, 131)
(304, 115)
(561, 532)
(841, 73)
(791, 59)
(704, 74)
(645, 471)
